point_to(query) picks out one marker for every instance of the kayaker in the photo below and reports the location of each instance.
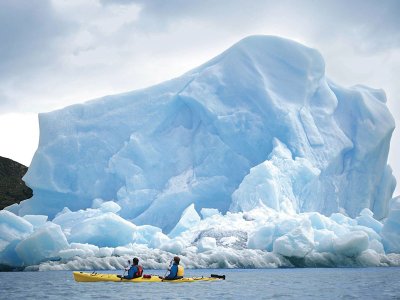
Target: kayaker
(135, 270)
(176, 271)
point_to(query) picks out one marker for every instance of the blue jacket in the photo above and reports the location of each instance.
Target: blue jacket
(173, 273)
(131, 272)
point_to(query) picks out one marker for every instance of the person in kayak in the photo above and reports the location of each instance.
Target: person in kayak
(176, 271)
(134, 271)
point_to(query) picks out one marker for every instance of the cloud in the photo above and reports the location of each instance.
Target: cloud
(28, 32)
(370, 24)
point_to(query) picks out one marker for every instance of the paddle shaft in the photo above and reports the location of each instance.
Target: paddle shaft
(129, 264)
(169, 268)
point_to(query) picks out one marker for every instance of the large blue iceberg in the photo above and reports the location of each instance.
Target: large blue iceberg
(255, 152)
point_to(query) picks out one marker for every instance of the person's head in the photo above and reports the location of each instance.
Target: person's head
(129, 262)
(177, 260)
(135, 261)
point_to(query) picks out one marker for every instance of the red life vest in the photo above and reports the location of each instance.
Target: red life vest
(139, 272)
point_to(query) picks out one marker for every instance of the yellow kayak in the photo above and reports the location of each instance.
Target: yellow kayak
(95, 277)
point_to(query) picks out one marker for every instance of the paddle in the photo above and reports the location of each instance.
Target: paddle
(218, 276)
(169, 268)
(129, 264)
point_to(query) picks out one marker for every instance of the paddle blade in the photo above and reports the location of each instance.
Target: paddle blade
(218, 276)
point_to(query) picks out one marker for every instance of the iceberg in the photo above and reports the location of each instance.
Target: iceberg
(391, 228)
(253, 159)
(13, 227)
(188, 219)
(44, 244)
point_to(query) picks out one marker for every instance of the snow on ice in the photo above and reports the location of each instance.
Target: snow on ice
(254, 159)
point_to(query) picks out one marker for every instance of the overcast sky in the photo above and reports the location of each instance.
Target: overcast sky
(60, 52)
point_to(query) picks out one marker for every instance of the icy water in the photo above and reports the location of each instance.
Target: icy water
(363, 283)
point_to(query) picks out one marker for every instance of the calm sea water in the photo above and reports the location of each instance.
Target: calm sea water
(363, 283)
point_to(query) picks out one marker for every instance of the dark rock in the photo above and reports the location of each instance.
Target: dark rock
(12, 187)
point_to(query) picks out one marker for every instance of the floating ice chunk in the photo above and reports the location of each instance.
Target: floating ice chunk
(229, 241)
(189, 218)
(105, 251)
(14, 222)
(206, 243)
(124, 250)
(262, 238)
(12, 228)
(158, 239)
(342, 219)
(149, 235)
(175, 245)
(324, 240)
(84, 251)
(68, 254)
(110, 206)
(44, 244)
(8, 256)
(106, 230)
(339, 229)
(366, 213)
(293, 240)
(96, 203)
(222, 257)
(296, 243)
(391, 228)
(209, 212)
(319, 221)
(366, 219)
(36, 220)
(286, 225)
(369, 258)
(68, 219)
(63, 211)
(87, 247)
(105, 206)
(276, 183)
(372, 235)
(351, 244)
(376, 246)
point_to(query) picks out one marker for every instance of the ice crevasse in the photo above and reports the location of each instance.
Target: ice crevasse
(253, 159)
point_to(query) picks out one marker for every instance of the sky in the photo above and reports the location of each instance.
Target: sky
(54, 53)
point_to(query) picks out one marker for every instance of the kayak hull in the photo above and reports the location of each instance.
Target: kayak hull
(98, 277)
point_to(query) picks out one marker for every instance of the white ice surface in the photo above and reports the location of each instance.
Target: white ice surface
(271, 238)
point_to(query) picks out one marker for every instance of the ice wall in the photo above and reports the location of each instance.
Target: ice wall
(97, 238)
(198, 138)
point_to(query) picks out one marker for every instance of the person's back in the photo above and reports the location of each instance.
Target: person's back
(135, 270)
(177, 271)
